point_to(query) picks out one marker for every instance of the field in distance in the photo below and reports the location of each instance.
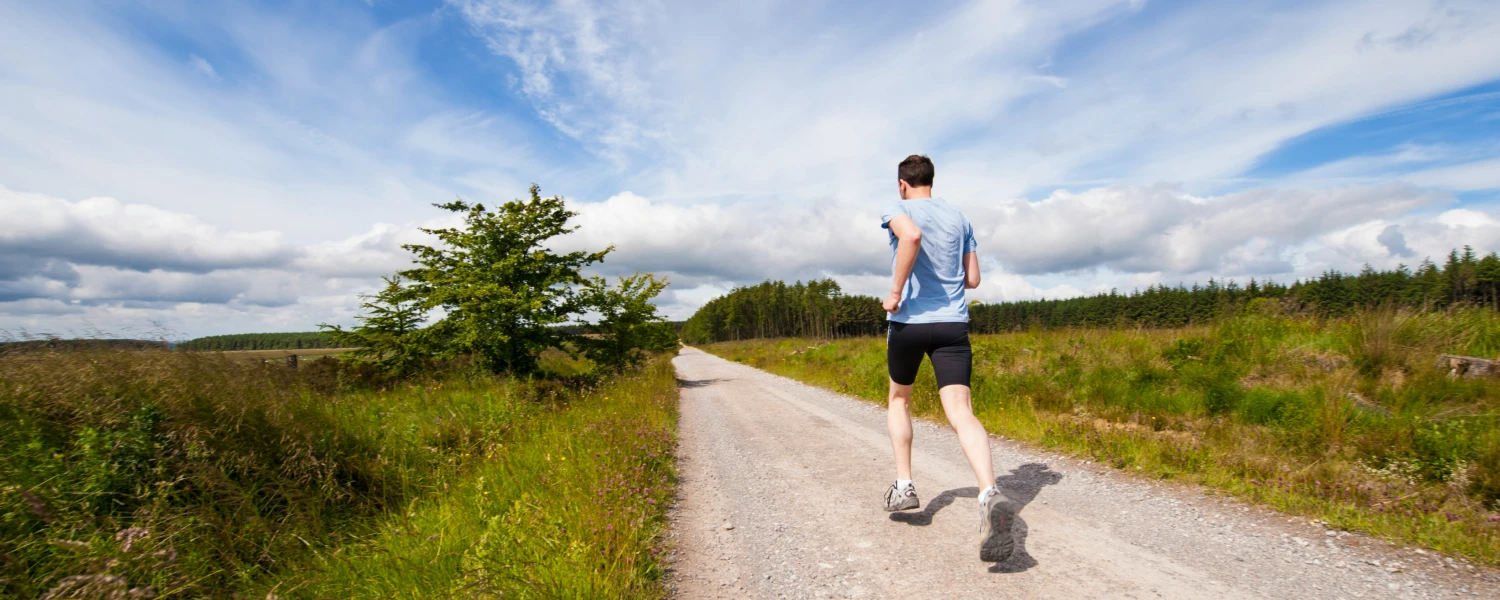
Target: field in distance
(303, 353)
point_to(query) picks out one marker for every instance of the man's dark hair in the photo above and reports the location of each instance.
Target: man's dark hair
(916, 171)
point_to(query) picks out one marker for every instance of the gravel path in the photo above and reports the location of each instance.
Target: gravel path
(781, 490)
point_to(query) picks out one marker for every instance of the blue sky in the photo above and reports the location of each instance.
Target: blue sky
(208, 168)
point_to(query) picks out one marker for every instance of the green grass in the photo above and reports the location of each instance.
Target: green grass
(571, 506)
(1346, 421)
(195, 474)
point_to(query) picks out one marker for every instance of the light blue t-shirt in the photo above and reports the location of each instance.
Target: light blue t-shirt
(935, 291)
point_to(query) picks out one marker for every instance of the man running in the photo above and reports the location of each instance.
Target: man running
(934, 260)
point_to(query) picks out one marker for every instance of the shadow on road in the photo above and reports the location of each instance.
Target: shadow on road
(695, 383)
(1021, 486)
(939, 502)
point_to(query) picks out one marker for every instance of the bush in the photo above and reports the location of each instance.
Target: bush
(1263, 406)
(1441, 448)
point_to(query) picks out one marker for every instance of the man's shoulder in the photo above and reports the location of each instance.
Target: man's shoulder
(893, 208)
(952, 211)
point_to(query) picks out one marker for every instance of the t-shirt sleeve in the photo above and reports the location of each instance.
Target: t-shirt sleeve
(969, 244)
(891, 211)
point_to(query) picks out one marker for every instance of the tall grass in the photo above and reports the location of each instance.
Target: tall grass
(570, 506)
(173, 474)
(1345, 420)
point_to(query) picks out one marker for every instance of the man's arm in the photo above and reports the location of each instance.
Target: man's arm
(971, 270)
(909, 242)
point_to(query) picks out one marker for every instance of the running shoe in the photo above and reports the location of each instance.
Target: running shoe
(904, 498)
(996, 515)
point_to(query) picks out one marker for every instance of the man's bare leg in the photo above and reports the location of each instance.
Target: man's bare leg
(958, 406)
(898, 421)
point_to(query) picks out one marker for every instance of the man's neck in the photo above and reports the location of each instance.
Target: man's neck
(918, 193)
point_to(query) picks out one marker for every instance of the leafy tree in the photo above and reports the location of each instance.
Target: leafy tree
(628, 328)
(500, 288)
(390, 333)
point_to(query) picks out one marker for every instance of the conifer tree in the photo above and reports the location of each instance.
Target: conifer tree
(389, 332)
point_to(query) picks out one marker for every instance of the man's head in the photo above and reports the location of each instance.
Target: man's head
(914, 177)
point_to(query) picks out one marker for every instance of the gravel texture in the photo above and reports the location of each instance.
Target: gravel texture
(781, 498)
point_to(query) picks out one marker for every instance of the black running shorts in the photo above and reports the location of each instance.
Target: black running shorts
(946, 343)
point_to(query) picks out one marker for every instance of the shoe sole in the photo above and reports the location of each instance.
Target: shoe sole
(998, 545)
(901, 507)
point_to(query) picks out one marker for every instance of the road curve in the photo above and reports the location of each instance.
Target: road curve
(780, 496)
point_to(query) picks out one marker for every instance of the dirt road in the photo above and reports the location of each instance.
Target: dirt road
(781, 492)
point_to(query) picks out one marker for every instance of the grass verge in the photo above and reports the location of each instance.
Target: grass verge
(567, 506)
(172, 474)
(1348, 422)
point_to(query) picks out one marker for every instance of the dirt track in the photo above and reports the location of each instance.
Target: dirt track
(781, 490)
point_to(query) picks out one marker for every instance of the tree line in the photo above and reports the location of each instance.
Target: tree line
(820, 309)
(817, 308)
(260, 341)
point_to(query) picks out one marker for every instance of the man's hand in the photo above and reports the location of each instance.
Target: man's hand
(892, 302)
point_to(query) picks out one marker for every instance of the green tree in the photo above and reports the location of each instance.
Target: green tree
(389, 333)
(500, 288)
(628, 329)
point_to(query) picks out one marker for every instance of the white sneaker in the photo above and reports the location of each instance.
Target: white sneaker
(996, 515)
(904, 498)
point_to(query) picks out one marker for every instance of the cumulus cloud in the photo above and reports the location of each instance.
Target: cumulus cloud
(61, 257)
(258, 287)
(732, 241)
(1162, 228)
(1126, 229)
(107, 232)
(1394, 241)
(370, 254)
(1109, 237)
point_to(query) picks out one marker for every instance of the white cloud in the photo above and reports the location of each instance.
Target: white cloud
(199, 64)
(101, 261)
(333, 120)
(771, 100)
(740, 241)
(1112, 237)
(1163, 229)
(1122, 237)
(1095, 144)
(105, 231)
(1476, 175)
(585, 39)
(374, 253)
